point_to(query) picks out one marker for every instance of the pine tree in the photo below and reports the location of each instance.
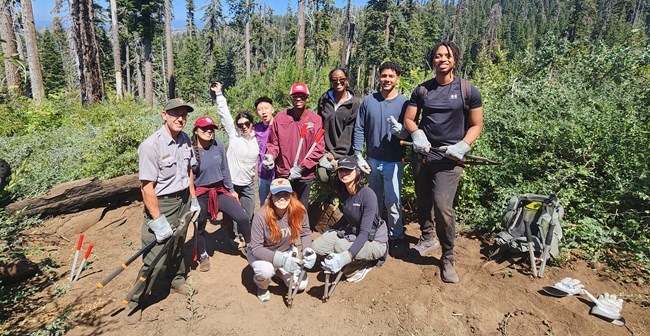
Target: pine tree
(53, 71)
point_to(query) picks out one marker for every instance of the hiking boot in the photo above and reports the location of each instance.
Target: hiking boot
(204, 264)
(425, 247)
(263, 295)
(448, 273)
(134, 316)
(184, 289)
(397, 248)
(359, 275)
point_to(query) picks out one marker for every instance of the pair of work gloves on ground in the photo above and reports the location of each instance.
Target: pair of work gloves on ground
(289, 261)
(607, 305)
(268, 163)
(161, 227)
(422, 145)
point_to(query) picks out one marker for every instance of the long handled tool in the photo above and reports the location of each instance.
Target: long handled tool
(319, 136)
(76, 256)
(83, 262)
(547, 247)
(477, 160)
(142, 279)
(303, 133)
(293, 289)
(195, 255)
(531, 251)
(126, 264)
(329, 287)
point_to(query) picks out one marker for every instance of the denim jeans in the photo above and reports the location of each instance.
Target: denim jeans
(264, 188)
(386, 180)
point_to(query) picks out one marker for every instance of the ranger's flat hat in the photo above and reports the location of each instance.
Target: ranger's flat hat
(177, 102)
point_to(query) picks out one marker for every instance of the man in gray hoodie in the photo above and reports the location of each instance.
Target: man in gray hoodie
(383, 150)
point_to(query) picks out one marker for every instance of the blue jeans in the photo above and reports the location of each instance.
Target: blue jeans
(386, 180)
(264, 188)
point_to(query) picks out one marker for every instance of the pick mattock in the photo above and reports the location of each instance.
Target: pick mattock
(126, 264)
(531, 251)
(329, 287)
(76, 256)
(294, 287)
(83, 262)
(547, 247)
(144, 277)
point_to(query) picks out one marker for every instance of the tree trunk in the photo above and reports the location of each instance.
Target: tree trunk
(9, 49)
(138, 71)
(162, 65)
(35, 74)
(91, 81)
(300, 43)
(171, 80)
(247, 37)
(346, 38)
(127, 58)
(117, 59)
(79, 195)
(454, 29)
(148, 71)
(387, 31)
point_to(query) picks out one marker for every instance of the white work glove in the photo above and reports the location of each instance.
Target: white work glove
(608, 306)
(194, 205)
(570, 286)
(335, 261)
(295, 173)
(397, 129)
(161, 228)
(420, 142)
(326, 163)
(308, 257)
(456, 152)
(286, 260)
(363, 165)
(269, 162)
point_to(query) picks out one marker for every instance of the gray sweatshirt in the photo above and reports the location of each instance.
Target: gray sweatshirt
(261, 245)
(373, 130)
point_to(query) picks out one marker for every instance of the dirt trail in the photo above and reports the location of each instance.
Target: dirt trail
(403, 297)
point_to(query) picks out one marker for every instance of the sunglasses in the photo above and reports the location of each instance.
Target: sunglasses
(339, 81)
(207, 129)
(244, 124)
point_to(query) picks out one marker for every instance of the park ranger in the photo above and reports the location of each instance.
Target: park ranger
(167, 186)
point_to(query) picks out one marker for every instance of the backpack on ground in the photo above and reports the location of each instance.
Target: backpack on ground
(541, 212)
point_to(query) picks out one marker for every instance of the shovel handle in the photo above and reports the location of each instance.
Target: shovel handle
(531, 252)
(126, 264)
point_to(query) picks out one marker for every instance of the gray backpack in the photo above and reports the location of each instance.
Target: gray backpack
(541, 212)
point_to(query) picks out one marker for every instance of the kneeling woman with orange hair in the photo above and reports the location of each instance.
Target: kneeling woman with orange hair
(274, 232)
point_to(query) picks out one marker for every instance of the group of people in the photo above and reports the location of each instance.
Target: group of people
(347, 137)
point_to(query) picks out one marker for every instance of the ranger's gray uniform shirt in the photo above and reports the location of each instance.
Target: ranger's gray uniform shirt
(165, 161)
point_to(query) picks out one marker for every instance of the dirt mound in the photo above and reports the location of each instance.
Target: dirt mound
(403, 297)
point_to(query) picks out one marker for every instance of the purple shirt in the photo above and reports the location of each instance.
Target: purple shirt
(262, 135)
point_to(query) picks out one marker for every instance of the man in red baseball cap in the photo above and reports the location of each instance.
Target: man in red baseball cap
(293, 134)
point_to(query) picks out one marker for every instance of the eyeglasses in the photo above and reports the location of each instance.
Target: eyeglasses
(299, 96)
(244, 124)
(176, 115)
(207, 129)
(338, 81)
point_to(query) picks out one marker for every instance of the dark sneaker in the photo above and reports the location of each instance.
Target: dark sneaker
(397, 248)
(204, 264)
(425, 247)
(448, 273)
(134, 316)
(263, 295)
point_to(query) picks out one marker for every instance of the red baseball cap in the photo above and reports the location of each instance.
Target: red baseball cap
(204, 122)
(299, 88)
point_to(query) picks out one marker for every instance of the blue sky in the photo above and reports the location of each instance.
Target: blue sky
(43, 17)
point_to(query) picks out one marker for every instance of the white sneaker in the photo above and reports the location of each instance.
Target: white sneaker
(359, 275)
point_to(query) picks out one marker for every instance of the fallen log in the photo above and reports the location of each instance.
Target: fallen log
(79, 195)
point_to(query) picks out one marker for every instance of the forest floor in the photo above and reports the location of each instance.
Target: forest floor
(403, 297)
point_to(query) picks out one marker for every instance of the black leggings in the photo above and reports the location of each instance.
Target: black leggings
(229, 206)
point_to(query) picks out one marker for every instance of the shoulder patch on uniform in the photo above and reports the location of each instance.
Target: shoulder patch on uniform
(166, 156)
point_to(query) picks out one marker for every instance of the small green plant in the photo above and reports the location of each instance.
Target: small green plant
(192, 307)
(58, 327)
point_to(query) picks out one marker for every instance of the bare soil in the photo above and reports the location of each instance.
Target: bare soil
(403, 297)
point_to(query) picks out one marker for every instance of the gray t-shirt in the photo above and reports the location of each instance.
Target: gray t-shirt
(261, 245)
(165, 161)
